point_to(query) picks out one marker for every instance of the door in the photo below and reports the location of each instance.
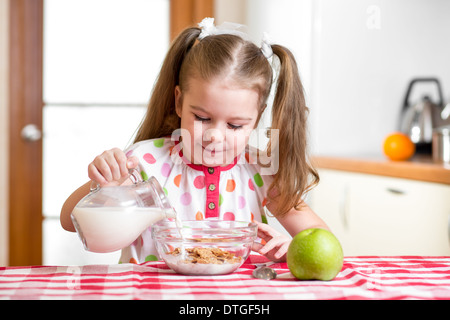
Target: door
(25, 150)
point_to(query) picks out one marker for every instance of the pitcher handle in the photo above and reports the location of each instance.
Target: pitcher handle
(135, 176)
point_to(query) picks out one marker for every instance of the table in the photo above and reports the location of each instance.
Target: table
(369, 277)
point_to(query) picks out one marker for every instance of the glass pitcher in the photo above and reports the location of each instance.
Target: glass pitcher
(111, 218)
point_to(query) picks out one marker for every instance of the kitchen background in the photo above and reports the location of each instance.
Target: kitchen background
(101, 57)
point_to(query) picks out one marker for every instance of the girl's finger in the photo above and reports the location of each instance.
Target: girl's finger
(104, 169)
(132, 162)
(257, 246)
(266, 232)
(95, 175)
(282, 250)
(121, 161)
(271, 244)
(110, 159)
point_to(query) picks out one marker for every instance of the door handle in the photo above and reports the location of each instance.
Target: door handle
(396, 191)
(31, 133)
(343, 207)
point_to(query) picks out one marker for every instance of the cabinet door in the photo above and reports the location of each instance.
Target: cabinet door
(390, 216)
(375, 215)
(330, 200)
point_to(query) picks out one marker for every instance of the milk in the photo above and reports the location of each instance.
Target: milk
(178, 264)
(107, 229)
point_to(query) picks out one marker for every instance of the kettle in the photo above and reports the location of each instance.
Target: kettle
(418, 120)
(111, 218)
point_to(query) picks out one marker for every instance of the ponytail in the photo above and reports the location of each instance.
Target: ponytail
(161, 118)
(289, 116)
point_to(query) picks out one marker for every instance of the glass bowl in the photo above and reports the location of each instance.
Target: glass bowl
(204, 247)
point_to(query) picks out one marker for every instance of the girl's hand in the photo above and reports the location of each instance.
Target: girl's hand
(276, 245)
(111, 167)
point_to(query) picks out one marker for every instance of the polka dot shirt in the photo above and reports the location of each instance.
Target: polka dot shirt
(233, 192)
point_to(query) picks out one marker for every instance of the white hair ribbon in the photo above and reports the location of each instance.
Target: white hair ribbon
(266, 46)
(209, 29)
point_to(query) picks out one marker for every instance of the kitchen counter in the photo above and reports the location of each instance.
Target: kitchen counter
(369, 277)
(418, 168)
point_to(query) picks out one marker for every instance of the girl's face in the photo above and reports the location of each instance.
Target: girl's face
(216, 120)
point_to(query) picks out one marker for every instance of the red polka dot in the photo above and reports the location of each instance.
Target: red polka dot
(249, 159)
(199, 182)
(250, 185)
(264, 202)
(228, 216)
(149, 158)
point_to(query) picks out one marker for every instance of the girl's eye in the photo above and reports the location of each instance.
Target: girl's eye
(200, 118)
(234, 127)
(231, 126)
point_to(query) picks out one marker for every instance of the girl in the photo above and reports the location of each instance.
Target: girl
(210, 94)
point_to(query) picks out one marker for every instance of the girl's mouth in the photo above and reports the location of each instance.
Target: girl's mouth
(212, 151)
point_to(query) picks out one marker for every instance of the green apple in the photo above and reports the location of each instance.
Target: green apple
(315, 254)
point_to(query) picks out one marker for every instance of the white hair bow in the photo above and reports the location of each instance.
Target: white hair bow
(209, 29)
(266, 46)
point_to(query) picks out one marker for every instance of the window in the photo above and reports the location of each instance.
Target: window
(101, 59)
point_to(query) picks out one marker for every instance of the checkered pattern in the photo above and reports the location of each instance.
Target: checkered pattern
(374, 277)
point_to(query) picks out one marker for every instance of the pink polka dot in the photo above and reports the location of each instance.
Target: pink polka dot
(149, 158)
(241, 202)
(228, 216)
(186, 199)
(165, 169)
(250, 185)
(199, 182)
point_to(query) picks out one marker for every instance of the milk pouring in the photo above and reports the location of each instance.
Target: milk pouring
(111, 218)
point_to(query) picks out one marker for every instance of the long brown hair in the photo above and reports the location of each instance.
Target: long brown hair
(233, 56)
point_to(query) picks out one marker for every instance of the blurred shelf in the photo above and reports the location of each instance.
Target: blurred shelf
(418, 168)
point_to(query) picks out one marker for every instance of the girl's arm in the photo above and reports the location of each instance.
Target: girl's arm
(294, 221)
(71, 202)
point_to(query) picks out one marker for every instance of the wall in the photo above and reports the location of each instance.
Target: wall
(4, 29)
(356, 58)
(365, 52)
(230, 10)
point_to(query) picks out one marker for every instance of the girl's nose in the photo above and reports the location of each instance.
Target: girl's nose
(214, 135)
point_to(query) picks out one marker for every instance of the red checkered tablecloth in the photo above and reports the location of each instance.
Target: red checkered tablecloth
(374, 277)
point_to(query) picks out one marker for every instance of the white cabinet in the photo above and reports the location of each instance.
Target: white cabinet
(378, 215)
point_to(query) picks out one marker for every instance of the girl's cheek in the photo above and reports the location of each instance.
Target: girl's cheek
(239, 142)
(198, 135)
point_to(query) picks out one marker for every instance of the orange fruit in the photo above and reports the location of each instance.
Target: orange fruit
(398, 147)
